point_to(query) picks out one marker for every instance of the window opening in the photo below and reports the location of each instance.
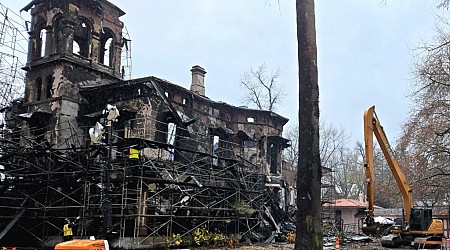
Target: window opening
(292, 197)
(106, 51)
(273, 157)
(43, 40)
(49, 83)
(81, 38)
(171, 135)
(40, 39)
(215, 147)
(38, 88)
(107, 60)
(76, 48)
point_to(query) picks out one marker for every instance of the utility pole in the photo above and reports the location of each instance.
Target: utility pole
(106, 202)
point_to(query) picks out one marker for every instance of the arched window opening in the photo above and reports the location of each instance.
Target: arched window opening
(82, 35)
(40, 39)
(49, 86)
(43, 39)
(38, 88)
(76, 48)
(107, 48)
(107, 54)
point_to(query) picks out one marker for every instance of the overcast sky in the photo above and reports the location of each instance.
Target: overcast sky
(365, 50)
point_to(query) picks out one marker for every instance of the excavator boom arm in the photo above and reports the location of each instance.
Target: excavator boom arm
(372, 126)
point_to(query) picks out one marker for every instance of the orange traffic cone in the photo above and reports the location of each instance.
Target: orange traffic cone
(337, 243)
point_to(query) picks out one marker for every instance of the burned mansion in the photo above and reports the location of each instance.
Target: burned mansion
(138, 160)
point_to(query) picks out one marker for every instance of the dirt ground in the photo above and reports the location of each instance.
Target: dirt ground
(375, 245)
(370, 246)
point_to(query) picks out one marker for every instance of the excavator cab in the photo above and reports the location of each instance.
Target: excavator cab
(421, 219)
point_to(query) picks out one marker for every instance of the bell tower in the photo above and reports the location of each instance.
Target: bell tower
(72, 43)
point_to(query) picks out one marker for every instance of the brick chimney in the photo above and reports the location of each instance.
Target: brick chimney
(198, 80)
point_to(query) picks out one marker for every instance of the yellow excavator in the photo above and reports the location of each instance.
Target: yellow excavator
(417, 224)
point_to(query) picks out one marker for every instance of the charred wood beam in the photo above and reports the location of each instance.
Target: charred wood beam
(167, 102)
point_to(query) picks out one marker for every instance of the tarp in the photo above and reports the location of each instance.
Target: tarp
(383, 220)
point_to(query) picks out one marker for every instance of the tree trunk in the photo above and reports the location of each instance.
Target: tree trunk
(309, 225)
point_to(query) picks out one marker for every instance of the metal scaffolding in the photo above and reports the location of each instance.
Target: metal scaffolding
(331, 224)
(168, 190)
(13, 51)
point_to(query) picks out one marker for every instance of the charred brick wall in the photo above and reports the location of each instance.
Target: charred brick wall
(252, 134)
(72, 43)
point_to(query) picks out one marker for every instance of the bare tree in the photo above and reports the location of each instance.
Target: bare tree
(348, 173)
(425, 141)
(346, 163)
(444, 4)
(309, 173)
(440, 3)
(335, 154)
(263, 88)
(331, 139)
